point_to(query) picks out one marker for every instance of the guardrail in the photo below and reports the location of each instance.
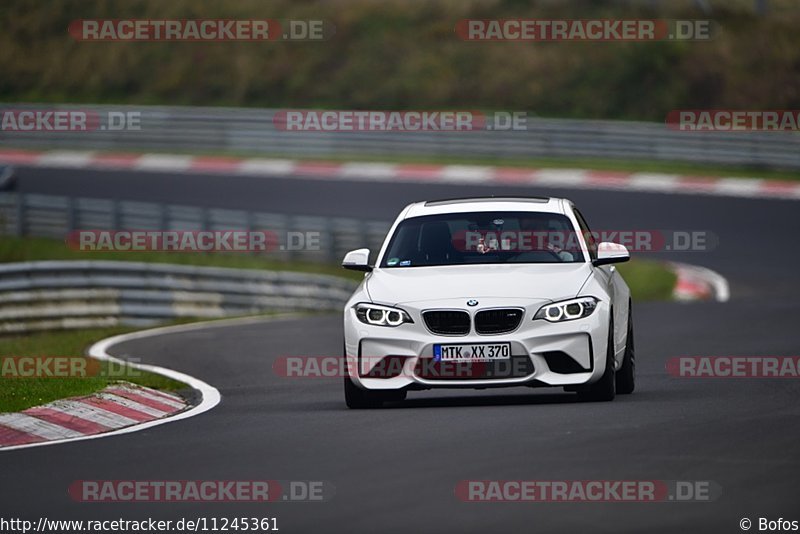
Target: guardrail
(27, 214)
(48, 295)
(252, 131)
(81, 294)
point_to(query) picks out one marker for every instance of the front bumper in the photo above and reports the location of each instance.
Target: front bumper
(570, 353)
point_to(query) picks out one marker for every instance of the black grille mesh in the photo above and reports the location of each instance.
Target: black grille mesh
(447, 322)
(497, 321)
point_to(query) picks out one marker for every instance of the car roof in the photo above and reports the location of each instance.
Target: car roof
(478, 204)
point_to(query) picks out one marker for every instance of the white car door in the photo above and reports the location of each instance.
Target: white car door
(612, 282)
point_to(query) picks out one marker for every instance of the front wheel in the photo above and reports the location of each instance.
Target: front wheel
(359, 399)
(604, 389)
(626, 376)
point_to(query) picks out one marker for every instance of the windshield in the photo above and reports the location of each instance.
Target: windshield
(483, 238)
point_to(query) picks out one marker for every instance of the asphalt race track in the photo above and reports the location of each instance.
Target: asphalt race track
(396, 469)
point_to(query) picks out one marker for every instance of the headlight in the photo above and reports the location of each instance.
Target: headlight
(567, 310)
(378, 315)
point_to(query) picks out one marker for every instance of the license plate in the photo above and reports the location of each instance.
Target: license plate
(472, 352)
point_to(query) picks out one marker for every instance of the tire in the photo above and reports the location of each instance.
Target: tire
(603, 390)
(626, 376)
(359, 399)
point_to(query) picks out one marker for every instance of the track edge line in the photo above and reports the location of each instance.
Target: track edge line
(210, 395)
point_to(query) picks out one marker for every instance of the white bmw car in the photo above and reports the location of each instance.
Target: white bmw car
(488, 292)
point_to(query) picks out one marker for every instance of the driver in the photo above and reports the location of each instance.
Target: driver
(540, 231)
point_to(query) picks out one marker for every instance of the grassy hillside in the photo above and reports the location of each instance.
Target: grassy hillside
(396, 54)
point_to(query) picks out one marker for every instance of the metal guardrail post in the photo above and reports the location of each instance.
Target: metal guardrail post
(249, 217)
(331, 241)
(205, 219)
(20, 226)
(163, 215)
(291, 253)
(116, 214)
(72, 216)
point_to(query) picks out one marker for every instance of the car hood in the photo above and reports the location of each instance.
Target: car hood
(551, 281)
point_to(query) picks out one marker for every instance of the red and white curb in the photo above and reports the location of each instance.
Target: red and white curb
(209, 395)
(115, 407)
(698, 283)
(419, 173)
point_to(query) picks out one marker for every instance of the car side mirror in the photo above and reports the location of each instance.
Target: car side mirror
(608, 253)
(357, 260)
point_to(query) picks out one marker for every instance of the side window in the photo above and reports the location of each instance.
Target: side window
(591, 244)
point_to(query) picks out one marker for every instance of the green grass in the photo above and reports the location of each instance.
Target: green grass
(18, 393)
(398, 54)
(648, 280)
